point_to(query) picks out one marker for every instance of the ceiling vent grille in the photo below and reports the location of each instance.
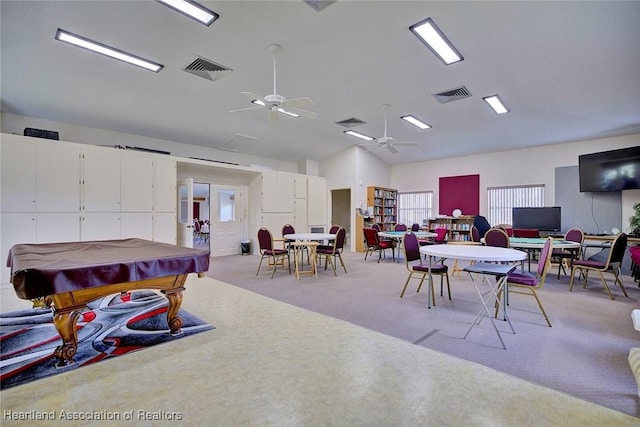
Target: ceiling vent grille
(238, 143)
(318, 5)
(452, 95)
(349, 123)
(206, 69)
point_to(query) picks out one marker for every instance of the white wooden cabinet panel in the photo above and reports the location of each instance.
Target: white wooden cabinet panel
(166, 176)
(136, 181)
(57, 178)
(101, 181)
(277, 192)
(300, 212)
(17, 227)
(136, 225)
(52, 227)
(100, 226)
(274, 222)
(165, 227)
(18, 167)
(317, 201)
(300, 187)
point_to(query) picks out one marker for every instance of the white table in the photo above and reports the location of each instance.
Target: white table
(530, 243)
(398, 235)
(483, 254)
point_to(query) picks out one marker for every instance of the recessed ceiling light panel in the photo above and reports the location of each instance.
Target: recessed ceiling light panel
(192, 9)
(496, 104)
(85, 43)
(359, 135)
(429, 33)
(416, 122)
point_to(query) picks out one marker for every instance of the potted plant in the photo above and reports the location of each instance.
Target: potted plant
(634, 221)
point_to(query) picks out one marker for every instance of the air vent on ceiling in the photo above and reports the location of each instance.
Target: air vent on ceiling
(238, 143)
(209, 70)
(318, 5)
(452, 95)
(349, 123)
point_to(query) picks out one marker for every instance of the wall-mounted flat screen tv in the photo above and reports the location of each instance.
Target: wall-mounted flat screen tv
(613, 170)
(543, 219)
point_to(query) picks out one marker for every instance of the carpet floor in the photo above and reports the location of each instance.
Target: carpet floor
(583, 354)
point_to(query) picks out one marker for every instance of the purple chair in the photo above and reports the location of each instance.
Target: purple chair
(276, 256)
(611, 265)
(400, 227)
(332, 253)
(374, 244)
(497, 237)
(572, 235)
(475, 234)
(527, 283)
(420, 271)
(415, 227)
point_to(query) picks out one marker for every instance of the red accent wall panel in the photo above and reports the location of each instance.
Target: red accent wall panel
(460, 192)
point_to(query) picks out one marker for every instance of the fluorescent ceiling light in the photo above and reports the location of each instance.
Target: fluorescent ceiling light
(496, 104)
(192, 10)
(429, 33)
(67, 37)
(359, 135)
(414, 121)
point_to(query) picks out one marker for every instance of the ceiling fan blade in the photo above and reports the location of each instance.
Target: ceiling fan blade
(414, 144)
(246, 109)
(298, 103)
(391, 148)
(303, 113)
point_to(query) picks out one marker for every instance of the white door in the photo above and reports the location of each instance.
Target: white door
(185, 212)
(226, 227)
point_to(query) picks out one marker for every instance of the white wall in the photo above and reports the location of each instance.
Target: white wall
(525, 166)
(11, 123)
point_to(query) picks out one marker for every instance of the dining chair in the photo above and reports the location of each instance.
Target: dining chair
(196, 233)
(497, 237)
(400, 227)
(288, 243)
(415, 227)
(332, 253)
(441, 235)
(375, 244)
(560, 255)
(420, 270)
(475, 234)
(276, 256)
(526, 283)
(611, 265)
(481, 223)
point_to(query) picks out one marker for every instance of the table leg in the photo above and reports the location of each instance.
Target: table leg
(174, 296)
(65, 323)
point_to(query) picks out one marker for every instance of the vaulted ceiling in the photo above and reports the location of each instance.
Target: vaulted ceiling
(567, 70)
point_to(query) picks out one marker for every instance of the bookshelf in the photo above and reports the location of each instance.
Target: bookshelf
(458, 229)
(384, 202)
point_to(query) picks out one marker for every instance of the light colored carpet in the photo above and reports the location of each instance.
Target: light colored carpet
(584, 354)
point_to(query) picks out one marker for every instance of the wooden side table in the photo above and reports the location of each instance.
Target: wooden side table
(298, 247)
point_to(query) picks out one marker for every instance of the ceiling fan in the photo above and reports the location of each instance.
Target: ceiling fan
(386, 141)
(278, 103)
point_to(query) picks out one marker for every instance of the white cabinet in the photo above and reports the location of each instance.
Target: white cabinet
(300, 187)
(300, 216)
(136, 184)
(52, 227)
(101, 181)
(277, 192)
(164, 227)
(165, 178)
(57, 178)
(136, 224)
(18, 175)
(317, 201)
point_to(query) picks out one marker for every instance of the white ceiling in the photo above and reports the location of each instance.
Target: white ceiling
(568, 71)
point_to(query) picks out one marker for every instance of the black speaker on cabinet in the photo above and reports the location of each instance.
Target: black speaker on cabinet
(41, 133)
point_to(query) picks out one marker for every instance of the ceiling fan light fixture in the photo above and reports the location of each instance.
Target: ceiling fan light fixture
(496, 104)
(359, 135)
(416, 122)
(429, 33)
(103, 49)
(193, 10)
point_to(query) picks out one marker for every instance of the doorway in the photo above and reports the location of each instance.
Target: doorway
(202, 214)
(341, 210)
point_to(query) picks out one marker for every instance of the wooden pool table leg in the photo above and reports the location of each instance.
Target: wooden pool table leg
(174, 296)
(65, 323)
